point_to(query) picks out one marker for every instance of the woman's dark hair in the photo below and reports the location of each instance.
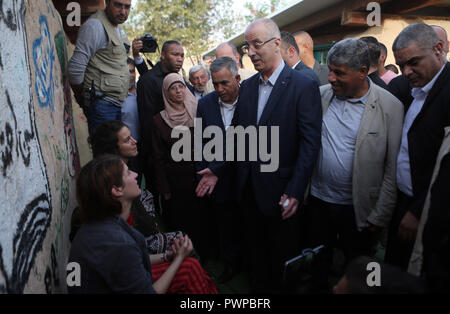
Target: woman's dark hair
(104, 139)
(94, 185)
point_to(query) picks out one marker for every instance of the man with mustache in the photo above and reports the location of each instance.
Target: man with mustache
(420, 55)
(199, 76)
(98, 69)
(353, 185)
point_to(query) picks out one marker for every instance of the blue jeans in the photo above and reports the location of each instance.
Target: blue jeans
(101, 110)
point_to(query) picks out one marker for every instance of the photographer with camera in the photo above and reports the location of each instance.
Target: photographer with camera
(144, 44)
(98, 70)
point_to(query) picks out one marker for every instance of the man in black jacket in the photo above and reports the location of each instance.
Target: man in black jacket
(290, 54)
(287, 103)
(419, 54)
(216, 110)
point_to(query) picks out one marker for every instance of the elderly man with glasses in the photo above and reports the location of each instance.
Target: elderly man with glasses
(278, 99)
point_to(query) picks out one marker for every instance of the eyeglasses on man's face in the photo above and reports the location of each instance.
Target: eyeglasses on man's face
(255, 46)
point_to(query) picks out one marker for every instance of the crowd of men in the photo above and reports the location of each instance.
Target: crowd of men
(361, 149)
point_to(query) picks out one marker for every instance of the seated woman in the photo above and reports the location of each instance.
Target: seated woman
(113, 256)
(176, 180)
(114, 137)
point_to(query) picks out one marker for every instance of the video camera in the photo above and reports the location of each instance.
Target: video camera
(149, 43)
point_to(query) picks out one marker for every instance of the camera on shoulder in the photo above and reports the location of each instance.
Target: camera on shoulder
(149, 43)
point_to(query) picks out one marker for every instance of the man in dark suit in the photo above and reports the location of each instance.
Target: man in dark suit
(216, 109)
(287, 105)
(419, 54)
(290, 54)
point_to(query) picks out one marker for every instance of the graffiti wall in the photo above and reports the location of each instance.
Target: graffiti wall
(39, 156)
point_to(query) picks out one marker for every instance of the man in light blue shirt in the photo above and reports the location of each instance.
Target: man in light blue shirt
(353, 185)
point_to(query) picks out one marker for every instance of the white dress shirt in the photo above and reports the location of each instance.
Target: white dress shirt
(227, 112)
(404, 181)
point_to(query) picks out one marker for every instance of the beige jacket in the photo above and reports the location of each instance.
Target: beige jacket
(416, 260)
(375, 160)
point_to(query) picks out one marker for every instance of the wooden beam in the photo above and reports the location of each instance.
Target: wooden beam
(405, 6)
(358, 19)
(328, 15)
(354, 19)
(334, 32)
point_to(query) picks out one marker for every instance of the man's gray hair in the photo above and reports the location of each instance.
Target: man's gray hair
(220, 63)
(197, 68)
(353, 53)
(270, 27)
(420, 34)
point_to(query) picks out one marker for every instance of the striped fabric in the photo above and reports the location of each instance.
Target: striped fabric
(190, 278)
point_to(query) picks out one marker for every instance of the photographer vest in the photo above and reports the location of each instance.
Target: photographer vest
(108, 67)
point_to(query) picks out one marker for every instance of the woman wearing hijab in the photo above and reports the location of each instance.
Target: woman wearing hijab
(176, 180)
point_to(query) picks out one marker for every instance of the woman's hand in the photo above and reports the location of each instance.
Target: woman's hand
(182, 247)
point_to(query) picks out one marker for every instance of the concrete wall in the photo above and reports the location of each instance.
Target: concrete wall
(39, 156)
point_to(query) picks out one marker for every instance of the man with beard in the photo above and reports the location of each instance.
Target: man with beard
(199, 76)
(98, 70)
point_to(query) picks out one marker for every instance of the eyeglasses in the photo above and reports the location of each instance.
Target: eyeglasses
(256, 46)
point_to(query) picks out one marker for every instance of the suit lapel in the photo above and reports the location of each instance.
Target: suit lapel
(252, 105)
(367, 118)
(216, 114)
(438, 85)
(275, 95)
